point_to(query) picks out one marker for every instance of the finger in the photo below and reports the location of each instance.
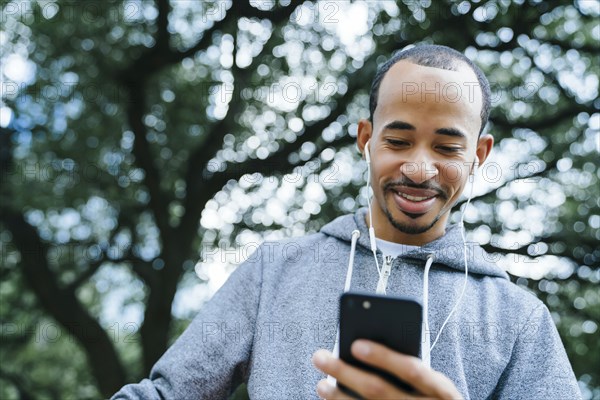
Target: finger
(366, 384)
(409, 369)
(326, 390)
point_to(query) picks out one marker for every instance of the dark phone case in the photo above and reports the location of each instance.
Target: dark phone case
(394, 322)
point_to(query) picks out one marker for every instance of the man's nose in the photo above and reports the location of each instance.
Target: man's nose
(419, 171)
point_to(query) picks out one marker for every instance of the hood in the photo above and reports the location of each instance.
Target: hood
(447, 250)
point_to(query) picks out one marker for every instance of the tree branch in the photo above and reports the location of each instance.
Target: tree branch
(162, 22)
(587, 48)
(63, 305)
(159, 57)
(196, 188)
(544, 172)
(18, 383)
(89, 272)
(541, 124)
(521, 250)
(159, 200)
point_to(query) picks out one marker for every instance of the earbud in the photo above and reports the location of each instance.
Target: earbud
(473, 170)
(371, 228)
(367, 155)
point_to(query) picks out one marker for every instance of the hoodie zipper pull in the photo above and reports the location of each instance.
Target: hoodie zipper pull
(386, 270)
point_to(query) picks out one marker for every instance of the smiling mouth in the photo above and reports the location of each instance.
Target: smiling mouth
(414, 202)
(416, 199)
(413, 198)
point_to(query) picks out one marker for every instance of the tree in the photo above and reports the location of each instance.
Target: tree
(134, 124)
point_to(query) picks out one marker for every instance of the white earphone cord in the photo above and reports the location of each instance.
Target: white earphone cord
(464, 240)
(371, 228)
(462, 233)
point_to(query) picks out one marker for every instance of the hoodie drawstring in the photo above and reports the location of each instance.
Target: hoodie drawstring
(425, 299)
(336, 346)
(426, 349)
(355, 236)
(425, 331)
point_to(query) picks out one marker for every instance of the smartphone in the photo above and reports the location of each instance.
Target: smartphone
(394, 322)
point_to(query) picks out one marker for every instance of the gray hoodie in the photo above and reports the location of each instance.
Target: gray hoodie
(281, 305)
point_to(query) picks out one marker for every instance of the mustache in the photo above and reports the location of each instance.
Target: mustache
(430, 185)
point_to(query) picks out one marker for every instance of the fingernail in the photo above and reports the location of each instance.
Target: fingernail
(324, 389)
(320, 359)
(361, 348)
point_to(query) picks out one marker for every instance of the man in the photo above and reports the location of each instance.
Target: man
(484, 336)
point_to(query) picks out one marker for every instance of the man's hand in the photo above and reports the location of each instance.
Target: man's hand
(427, 382)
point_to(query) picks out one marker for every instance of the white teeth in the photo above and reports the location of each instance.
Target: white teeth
(412, 198)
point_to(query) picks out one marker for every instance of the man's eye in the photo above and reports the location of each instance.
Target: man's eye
(396, 142)
(448, 149)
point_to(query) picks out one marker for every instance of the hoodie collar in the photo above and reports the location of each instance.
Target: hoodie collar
(447, 249)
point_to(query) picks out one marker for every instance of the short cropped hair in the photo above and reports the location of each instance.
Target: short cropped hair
(435, 56)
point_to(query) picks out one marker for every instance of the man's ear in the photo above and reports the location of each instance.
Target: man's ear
(365, 131)
(484, 147)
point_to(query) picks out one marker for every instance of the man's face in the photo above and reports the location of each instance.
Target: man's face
(423, 144)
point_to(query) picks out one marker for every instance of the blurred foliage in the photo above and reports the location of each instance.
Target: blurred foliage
(140, 137)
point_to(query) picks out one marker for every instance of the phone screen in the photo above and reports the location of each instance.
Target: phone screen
(394, 322)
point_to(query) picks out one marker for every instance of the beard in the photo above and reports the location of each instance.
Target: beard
(415, 228)
(407, 228)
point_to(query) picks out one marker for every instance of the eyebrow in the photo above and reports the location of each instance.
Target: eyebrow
(451, 132)
(405, 126)
(400, 126)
